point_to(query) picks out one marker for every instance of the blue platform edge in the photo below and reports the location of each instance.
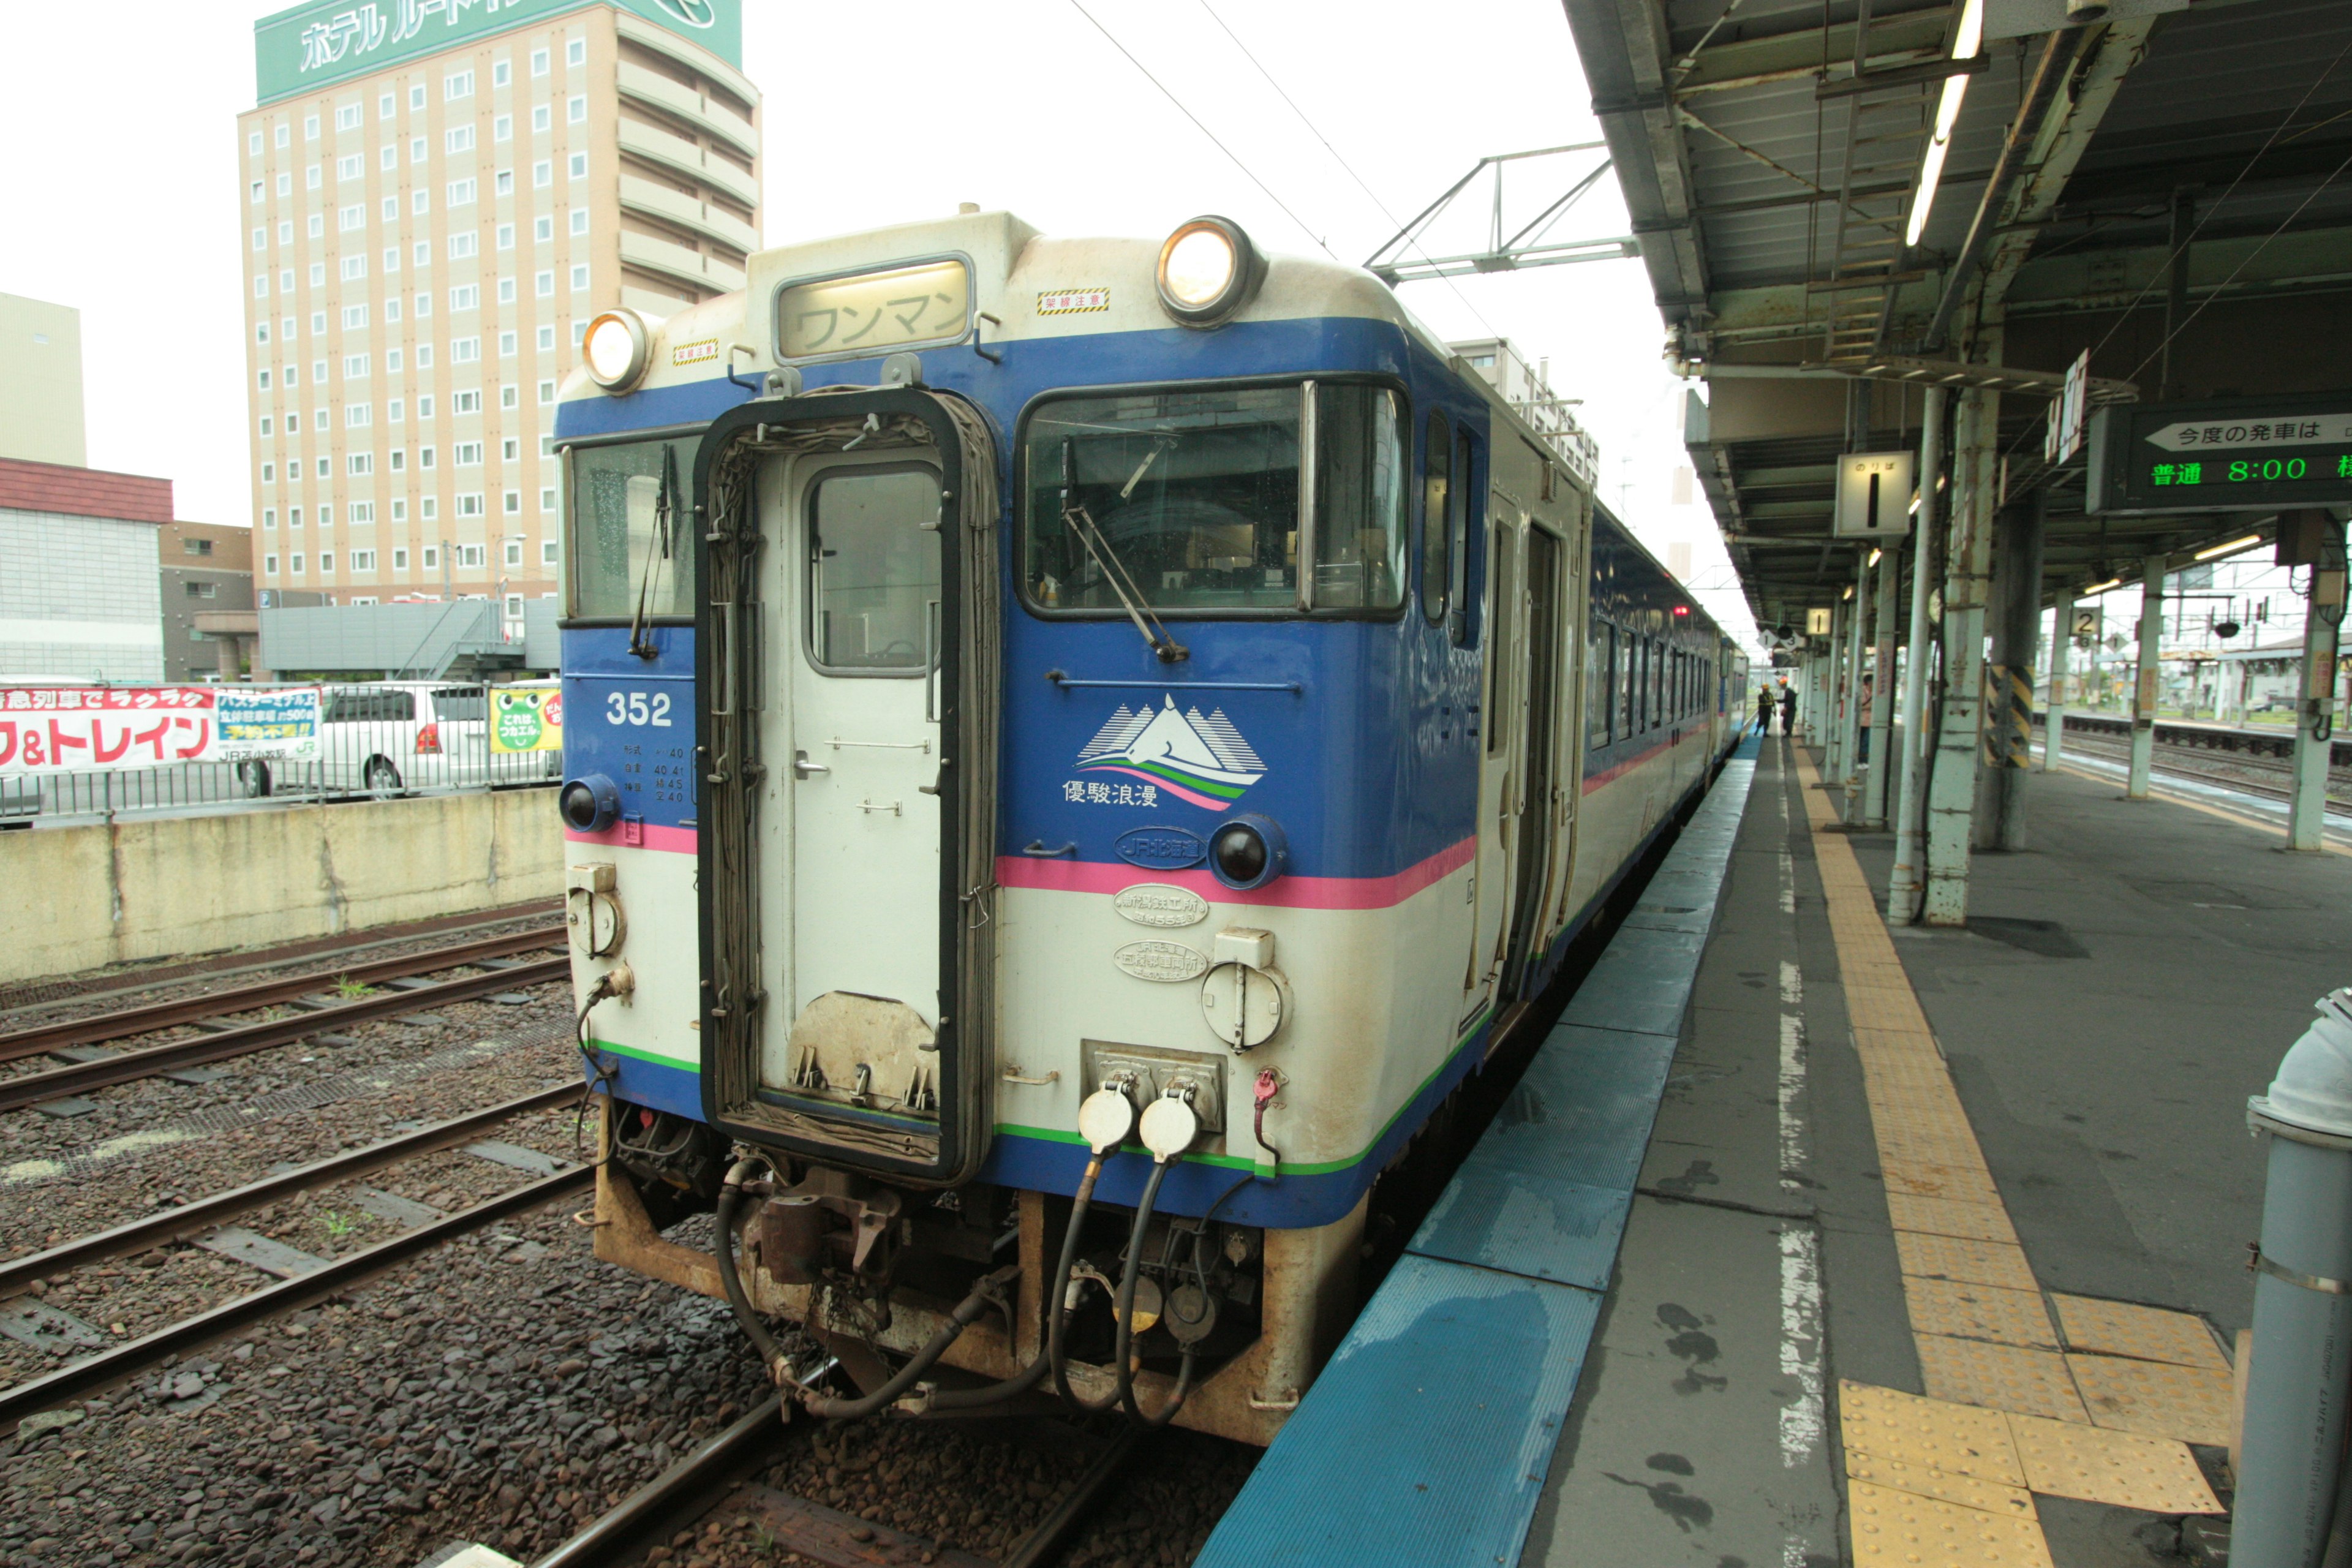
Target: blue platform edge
(1427, 1438)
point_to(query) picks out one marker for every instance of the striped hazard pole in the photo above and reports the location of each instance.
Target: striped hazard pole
(2021, 715)
(2008, 715)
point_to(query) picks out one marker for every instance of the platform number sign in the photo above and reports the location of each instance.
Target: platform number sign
(1873, 495)
(2086, 618)
(2244, 455)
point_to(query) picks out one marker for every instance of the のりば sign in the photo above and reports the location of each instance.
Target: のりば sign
(76, 728)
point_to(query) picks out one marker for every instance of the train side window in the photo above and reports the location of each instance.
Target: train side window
(1498, 646)
(1599, 676)
(1624, 671)
(1437, 521)
(1466, 511)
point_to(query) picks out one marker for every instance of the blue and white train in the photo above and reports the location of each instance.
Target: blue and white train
(1078, 747)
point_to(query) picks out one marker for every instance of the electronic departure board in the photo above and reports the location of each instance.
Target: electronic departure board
(2244, 455)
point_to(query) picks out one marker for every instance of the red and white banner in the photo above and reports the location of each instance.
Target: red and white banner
(71, 729)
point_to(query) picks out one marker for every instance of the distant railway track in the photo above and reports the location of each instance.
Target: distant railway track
(42, 995)
(195, 1050)
(40, 1039)
(2184, 762)
(80, 1378)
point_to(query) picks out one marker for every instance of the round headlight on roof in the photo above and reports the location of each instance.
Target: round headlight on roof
(615, 350)
(1208, 272)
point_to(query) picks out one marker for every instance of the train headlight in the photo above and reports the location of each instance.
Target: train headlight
(615, 350)
(1208, 272)
(1248, 852)
(589, 805)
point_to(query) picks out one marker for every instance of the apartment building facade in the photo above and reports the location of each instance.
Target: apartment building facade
(205, 576)
(437, 198)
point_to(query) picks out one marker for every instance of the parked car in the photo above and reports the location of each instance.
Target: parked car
(392, 738)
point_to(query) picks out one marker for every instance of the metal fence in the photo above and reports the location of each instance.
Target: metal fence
(376, 740)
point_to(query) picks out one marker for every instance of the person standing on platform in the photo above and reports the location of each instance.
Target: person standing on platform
(1764, 709)
(1862, 747)
(1788, 708)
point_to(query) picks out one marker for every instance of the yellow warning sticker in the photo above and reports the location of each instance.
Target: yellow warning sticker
(695, 352)
(1073, 301)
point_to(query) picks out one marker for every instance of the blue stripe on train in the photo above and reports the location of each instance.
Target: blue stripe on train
(1370, 767)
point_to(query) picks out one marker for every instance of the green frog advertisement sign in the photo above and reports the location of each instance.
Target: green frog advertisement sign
(526, 718)
(328, 41)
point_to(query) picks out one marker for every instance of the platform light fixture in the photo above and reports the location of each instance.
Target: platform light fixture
(1968, 39)
(2102, 588)
(2212, 552)
(1874, 555)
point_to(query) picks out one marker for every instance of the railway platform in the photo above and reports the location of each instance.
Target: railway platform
(1935, 1252)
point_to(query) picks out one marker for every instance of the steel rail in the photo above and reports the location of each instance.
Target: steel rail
(45, 1037)
(20, 998)
(169, 1224)
(690, 1489)
(1043, 1542)
(685, 1492)
(72, 1381)
(126, 1067)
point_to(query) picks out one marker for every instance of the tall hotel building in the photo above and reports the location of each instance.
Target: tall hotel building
(439, 196)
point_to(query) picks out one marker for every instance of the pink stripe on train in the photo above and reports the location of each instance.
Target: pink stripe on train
(1288, 892)
(641, 836)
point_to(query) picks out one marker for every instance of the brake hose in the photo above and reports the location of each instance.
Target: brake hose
(1170, 1125)
(731, 1193)
(1122, 1361)
(1104, 1121)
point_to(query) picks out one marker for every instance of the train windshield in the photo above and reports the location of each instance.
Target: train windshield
(1196, 494)
(630, 540)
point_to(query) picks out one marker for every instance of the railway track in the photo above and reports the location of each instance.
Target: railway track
(715, 1480)
(82, 1377)
(194, 1050)
(39, 995)
(2177, 761)
(39, 1039)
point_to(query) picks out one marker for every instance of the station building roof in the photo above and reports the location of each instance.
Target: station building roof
(1770, 153)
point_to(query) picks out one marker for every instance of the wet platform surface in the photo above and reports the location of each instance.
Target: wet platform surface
(1933, 1254)
(1938, 1253)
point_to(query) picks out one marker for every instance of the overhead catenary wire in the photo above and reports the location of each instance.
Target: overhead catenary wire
(1203, 127)
(2245, 261)
(2280, 129)
(1370, 194)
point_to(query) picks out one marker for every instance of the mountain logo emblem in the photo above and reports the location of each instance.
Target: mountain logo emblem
(1199, 759)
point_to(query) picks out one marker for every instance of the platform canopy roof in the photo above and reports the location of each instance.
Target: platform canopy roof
(2166, 186)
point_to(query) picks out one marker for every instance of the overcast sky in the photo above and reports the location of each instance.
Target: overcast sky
(127, 200)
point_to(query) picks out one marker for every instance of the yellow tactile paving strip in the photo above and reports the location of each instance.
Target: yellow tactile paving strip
(1905, 1530)
(1993, 1460)
(2150, 1397)
(2092, 1402)
(2143, 1334)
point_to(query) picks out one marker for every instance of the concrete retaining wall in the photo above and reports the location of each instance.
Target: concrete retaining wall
(145, 888)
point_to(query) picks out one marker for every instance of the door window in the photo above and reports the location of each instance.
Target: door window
(1436, 520)
(874, 570)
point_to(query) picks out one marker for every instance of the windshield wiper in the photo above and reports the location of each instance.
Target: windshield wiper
(1099, 549)
(664, 505)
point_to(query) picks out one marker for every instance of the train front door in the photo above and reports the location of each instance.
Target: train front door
(854, 753)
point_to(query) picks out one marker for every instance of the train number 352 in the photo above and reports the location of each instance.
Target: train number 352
(637, 708)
